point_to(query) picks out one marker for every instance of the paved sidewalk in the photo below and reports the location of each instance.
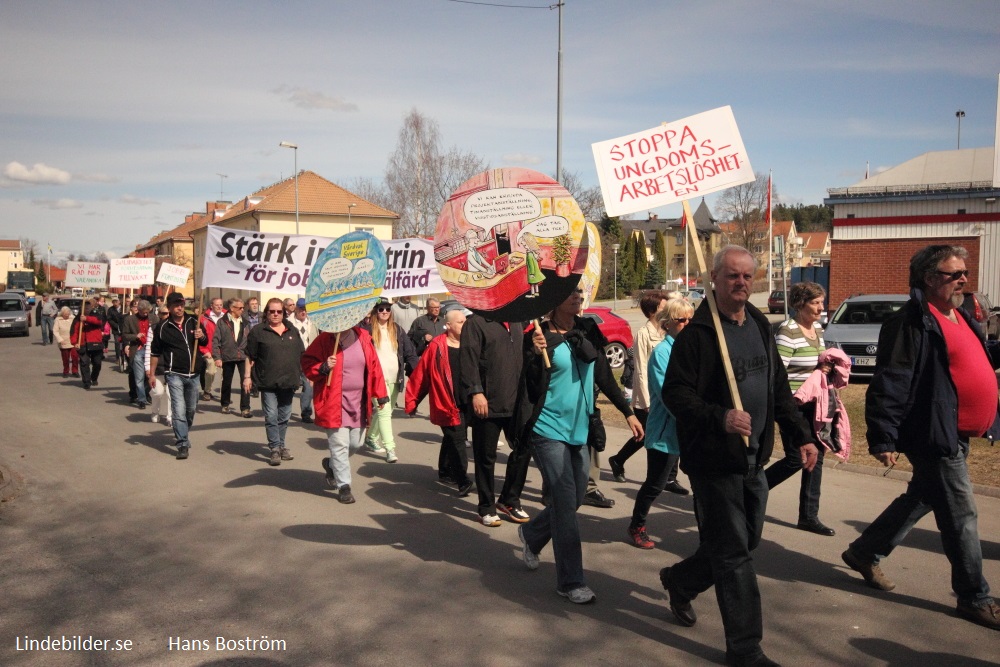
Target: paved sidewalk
(111, 537)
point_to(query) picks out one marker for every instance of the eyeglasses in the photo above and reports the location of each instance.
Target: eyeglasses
(271, 311)
(682, 320)
(955, 275)
(383, 309)
(235, 307)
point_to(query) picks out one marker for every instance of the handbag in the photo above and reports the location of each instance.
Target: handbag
(597, 437)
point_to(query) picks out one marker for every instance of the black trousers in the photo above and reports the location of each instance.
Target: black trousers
(90, 365)
(658, 467)
(453, 462)
(809, 488)
(228, 367)
(632, 446)
(485, 435)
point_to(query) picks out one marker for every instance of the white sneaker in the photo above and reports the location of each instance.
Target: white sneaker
(581, 595)
(530, 559)
(468, 444)
(156, 419)
(373, 448)
(168, 421)
(390, 456)
(501, 443)
(490, 520)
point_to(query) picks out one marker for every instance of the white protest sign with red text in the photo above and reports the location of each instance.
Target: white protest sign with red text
(132, 271)
(87, 274)
(672, 162)
(172, 274)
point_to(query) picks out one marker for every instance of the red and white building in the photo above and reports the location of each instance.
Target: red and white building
(940, 197)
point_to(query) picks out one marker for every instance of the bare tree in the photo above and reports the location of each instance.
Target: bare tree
(746, 208)
(420, 175)
(590, 199)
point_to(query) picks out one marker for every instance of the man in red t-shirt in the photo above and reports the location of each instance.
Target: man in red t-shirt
(933, 389)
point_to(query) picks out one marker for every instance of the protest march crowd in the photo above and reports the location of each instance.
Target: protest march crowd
(536, 385)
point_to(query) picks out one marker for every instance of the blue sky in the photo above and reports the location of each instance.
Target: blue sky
(132, 108)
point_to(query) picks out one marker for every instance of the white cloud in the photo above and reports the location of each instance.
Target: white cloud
(138, 201)
(313, 99)
(57, 204)
(521, 158)
(96, 178)
(39, 174)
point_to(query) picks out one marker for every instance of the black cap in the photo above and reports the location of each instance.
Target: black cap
(174, 298)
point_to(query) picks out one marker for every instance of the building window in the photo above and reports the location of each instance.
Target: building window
(370, 230)
(961, 211)
(678, 238)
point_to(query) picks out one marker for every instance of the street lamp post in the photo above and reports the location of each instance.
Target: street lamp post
(294, 147)
(959, 115)
(615, 247)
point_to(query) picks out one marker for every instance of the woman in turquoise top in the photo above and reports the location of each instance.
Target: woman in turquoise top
(662, 447)
(561, 399)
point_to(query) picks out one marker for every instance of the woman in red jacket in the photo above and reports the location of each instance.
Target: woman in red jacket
(344, 405)
(437, 375)
(91, 346)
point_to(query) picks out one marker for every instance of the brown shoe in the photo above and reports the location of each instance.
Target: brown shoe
(870, 571)
(987, 615)
(285, 454)
(246, 414)
(275, 457)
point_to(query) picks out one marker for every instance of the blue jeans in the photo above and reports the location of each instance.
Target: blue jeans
(306, 399)
(343, 443)
(139, 375)
(277, 407)
(183, 403)
(730, 513)
(564, 469)
(940, 485)
(46, 323)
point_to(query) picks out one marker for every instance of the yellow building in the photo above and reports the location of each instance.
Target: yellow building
(709, 234)
(11, 258)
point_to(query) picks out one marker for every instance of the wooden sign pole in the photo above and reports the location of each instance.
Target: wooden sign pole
(336, 344)
(545, 353)
(706, 282)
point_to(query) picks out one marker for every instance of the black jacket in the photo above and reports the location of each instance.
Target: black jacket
(422, 326)
(697, 393)
(172, 345)
(276, 359)
(491, 361)
(912, 403)
(225, 346)
(536, 376)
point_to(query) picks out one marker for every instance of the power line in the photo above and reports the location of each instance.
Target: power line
(496, 4)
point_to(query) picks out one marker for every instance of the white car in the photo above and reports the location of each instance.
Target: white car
(856, 324)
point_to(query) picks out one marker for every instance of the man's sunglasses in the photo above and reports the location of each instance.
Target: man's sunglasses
(271, 311)
(955, 275)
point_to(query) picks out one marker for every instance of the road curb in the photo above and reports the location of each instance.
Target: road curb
(906, 476)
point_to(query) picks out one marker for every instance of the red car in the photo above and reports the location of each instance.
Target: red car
(616, 330)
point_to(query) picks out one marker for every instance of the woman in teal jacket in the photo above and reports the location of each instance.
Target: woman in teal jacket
(662, 447)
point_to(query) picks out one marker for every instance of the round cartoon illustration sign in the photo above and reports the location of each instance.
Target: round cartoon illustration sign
(511, 244)
(346, 281)
(591, 278)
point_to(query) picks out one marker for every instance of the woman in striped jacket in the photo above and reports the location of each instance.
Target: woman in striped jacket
(800, 342)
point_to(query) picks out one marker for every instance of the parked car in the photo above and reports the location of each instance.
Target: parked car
(978, 306)
(694, 296)
(616, 330)
(776, 302)
(15, 314)
(856, 324)
(73, 302)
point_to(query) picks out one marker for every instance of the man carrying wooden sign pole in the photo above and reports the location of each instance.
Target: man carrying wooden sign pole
(725, 383)
(726, 386)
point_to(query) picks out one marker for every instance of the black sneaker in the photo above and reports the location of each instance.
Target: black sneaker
(330, 480)
(617, 469)
(182, 453)
(755, 660)
(675, 487)
(597, 499)
(306, 419)
(346, 496)
(464, 488)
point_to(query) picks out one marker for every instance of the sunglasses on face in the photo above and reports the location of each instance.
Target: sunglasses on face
(682, 320)
(271, 311)
(955, 275)
(383, 309)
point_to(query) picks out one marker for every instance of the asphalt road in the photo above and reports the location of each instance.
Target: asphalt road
(110, 537)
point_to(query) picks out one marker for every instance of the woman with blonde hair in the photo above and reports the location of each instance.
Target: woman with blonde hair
(395, 354)
(662, 447)
(62, 329)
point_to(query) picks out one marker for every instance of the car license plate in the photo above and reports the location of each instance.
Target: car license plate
(5, 325)
(863, 361)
